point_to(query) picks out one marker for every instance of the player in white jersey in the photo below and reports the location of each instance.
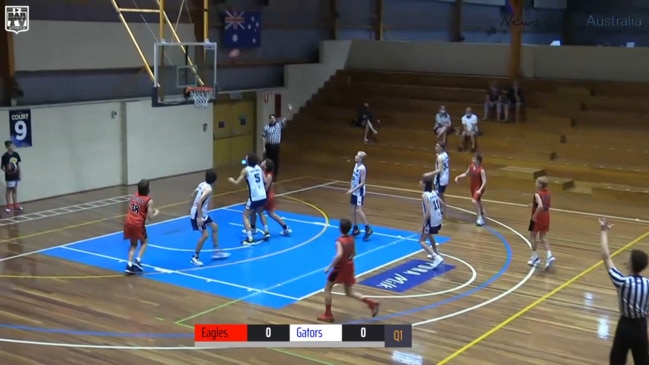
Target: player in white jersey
(254, 177)
(202, 196)
(357, 192)
(432, 211)
(442, 172)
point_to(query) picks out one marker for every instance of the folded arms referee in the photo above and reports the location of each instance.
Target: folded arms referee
(633, 297)
(272, 138)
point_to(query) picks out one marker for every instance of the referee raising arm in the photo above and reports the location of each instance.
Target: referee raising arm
(633, 297)
(272, 138)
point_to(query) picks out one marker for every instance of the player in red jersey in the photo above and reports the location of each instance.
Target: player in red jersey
(540, 222)
(343, 272)
(268, 166)
(478, 178)
(140, 208)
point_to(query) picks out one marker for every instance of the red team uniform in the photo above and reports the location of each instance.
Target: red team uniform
(343, 272)
(542, 223)
(476, 181)
(134, 225)
(270, 195)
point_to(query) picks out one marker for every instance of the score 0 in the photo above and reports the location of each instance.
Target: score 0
(269, 333)
(363, 333)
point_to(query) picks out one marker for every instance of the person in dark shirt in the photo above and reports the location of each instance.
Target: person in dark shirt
(366, 121)
(515, 100)
(11, 166)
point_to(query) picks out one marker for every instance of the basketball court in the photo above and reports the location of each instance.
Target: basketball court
(65, 298)
(64, 291)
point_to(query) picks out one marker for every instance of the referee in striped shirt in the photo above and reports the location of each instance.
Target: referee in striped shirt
(272, 138)
(633, 297)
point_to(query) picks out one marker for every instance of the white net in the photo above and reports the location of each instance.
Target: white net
(201, 96)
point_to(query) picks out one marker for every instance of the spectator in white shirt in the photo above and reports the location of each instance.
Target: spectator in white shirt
(443, 125)
(469, 130)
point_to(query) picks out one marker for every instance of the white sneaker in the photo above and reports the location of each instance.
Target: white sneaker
(549, 262)
(437, 261)
(196, 262)
(286, 232)
(480, 222)
(534, 260)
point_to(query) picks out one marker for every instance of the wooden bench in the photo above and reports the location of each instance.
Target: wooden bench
(621, 193)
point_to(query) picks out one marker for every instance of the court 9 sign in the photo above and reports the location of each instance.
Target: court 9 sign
(20, 127)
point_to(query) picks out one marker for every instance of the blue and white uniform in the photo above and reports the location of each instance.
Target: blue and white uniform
(201, 208)
(256, 188)
(435, 218)
(445, 172)
(358, 197)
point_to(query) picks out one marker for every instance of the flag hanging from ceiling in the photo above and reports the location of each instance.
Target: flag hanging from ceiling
(241, 29)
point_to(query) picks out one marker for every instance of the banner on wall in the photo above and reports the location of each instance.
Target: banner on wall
(20, 127)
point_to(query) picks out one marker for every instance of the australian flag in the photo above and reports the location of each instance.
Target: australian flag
(242, 29)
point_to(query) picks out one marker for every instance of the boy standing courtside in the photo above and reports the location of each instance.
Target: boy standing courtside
(357, 192)
(140, 208)
(200, 218)
(540, 222)
(341, 271)
(11, 166)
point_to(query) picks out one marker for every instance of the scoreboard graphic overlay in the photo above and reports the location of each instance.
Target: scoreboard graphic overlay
(302, 335)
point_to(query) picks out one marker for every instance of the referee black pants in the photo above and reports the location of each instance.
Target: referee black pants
(631, 334)
(272, 153)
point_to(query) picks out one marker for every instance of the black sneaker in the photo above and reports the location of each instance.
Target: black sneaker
(132, 270)
(367, 235)
(138, 264)
(356, 232)
(266, 236)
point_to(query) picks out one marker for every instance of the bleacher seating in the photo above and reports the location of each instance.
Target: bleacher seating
(588, 137)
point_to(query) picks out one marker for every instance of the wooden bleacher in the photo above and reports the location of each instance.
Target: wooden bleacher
(587, 137)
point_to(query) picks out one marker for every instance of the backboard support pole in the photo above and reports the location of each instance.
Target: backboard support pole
(132, 37)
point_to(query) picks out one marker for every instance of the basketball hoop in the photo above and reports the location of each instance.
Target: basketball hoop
(201, 95)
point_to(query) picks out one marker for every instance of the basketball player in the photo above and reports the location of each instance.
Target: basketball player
(540, 222)
(343, 272)
(432, 209)
(11, 166)
(357, 192)
(442, 172)
(202, 196)
(478, 177)
(140, 208)
(268, 166)
(254, 176)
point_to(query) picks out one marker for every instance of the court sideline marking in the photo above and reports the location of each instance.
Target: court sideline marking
(539, 301)
(36, 234)
(511, 204)
(55, 212)
(505, 293)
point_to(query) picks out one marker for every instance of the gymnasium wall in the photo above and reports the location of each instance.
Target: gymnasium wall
(565, 62)
(90, 146)
(54, 45)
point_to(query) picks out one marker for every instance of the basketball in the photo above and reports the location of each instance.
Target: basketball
(234, 53)
(11, 167)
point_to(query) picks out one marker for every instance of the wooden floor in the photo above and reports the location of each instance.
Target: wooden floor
(528, 319)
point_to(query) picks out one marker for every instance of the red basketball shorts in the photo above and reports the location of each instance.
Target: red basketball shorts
(135, 232)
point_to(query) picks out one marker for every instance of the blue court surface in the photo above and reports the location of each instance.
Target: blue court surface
(274, 273)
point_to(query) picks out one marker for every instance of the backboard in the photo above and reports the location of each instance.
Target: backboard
(181, 65)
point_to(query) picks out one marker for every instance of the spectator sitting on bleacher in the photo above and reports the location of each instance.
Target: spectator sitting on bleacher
(469, 130)
(364, 120)
(443, 125)
(514, 100)
(493, 100)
